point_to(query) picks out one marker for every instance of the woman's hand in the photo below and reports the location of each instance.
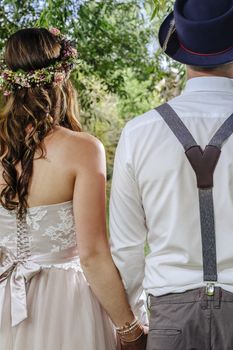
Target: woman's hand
(139, 344)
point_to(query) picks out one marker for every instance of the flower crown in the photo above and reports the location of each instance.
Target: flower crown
(55, 73)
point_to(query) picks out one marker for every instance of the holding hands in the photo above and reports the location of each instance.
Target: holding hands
(139, 344)
(133, 336)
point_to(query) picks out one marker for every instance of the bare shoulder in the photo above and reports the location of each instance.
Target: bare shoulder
(82, 141)
(80, 148)
(78, 141)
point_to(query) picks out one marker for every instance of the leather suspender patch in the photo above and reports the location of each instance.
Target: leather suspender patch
(203, 163)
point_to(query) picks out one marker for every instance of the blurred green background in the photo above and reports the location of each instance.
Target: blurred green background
(121, 72)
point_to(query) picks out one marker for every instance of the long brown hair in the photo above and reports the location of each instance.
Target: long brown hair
(42, 107)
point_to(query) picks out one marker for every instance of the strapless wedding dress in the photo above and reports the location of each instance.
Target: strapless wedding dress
(45, 300)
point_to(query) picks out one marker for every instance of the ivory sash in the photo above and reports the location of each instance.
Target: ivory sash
(19, 272)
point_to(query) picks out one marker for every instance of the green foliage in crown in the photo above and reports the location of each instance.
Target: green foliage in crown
(55, 73)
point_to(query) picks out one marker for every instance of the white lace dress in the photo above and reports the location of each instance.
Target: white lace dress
(45, 301)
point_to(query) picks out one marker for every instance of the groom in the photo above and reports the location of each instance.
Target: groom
(172, 190)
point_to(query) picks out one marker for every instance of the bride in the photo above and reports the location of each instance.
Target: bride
(58, 283)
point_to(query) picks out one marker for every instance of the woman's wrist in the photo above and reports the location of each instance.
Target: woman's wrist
(130, 332)
(132, 337)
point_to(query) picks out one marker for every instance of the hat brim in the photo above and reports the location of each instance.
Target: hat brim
(176, 51)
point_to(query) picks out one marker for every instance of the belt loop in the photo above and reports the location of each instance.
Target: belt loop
(204, 299)
(217, 298)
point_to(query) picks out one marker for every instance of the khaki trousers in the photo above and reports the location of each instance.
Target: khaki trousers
(191, 321)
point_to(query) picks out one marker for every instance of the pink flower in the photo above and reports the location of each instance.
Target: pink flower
(55, 31)
(7, 93)
(70, 52)
(73, 51)
(59, 77)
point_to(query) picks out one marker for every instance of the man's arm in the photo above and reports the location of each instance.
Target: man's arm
(127, 228)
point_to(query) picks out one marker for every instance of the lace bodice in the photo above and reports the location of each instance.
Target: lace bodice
(50, 228)
(44, 239)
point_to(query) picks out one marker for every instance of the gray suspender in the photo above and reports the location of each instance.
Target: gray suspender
(203, 163)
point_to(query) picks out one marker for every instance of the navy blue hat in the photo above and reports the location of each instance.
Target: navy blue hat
(199, 32)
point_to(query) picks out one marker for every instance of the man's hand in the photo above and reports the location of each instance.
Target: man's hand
(139, 344)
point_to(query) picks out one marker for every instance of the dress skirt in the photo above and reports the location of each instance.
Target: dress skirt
(63, 314)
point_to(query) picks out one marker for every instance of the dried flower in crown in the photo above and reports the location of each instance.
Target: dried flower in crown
(55, 73)
(55, 31)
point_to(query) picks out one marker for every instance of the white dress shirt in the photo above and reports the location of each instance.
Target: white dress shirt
(154, 197)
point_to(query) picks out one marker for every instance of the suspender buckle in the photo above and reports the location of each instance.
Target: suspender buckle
(210, 289)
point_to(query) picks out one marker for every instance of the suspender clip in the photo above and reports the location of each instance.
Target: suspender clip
(210, 289)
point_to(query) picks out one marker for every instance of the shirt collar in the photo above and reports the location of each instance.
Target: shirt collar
(214, 84)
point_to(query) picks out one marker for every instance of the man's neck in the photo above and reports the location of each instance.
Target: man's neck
(209, 73)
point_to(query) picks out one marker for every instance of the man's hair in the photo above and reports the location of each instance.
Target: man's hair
(211, 68)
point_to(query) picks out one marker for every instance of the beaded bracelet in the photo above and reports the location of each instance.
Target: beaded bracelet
(133, 340)
(128, 327)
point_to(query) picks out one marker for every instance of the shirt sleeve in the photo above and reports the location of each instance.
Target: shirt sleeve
(128, 230)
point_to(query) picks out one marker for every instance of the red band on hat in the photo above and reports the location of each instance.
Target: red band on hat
(204, 54)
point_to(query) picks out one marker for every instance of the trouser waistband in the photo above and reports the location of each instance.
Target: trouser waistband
(194, 295)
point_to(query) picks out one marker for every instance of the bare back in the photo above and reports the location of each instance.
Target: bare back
(54, 176)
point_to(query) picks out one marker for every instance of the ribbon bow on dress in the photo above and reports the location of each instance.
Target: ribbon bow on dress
(18, 272)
